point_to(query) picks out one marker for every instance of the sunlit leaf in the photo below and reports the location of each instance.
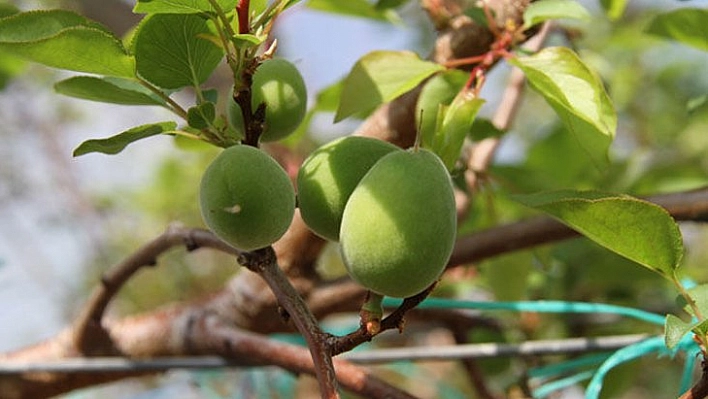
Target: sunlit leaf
(636, 229)
(65, 40)
(116, 144)
(455, 127)
(379, 77)
(674, 330)
(541, 11)
(437, 92)
(170, 53)
(699, 296)
(108, 90)
(352, 8)
(686, 25)
(180, 6)
(614, 8)
(577, 95)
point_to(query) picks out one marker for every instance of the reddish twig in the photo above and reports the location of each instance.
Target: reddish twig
(483, 151)
(242, 10)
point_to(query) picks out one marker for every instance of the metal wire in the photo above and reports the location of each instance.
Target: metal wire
(445, 353)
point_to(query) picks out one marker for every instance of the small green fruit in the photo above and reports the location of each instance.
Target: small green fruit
(399, 225)
(279, 85)
(246, 198)
(329, 175)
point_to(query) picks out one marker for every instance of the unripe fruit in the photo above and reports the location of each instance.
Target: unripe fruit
(279, 85)
(246, 198)
(329, 175)
(398, 227)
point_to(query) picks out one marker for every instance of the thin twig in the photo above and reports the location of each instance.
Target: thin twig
(483, 151)
(265, 264)
(395, 320)
(474, 372)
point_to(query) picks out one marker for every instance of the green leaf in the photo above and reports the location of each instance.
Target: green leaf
(65, 40)
(686, 25)
(437, 92)
(541, 11)
(244, 41)
(478, 15)
(181, 6)
(577, 95)
(386, 4)
(116, 144)
(699, 295)
(701, 328)
(201, 116)
(614, 8)
(170, 53)
(636, 229)
(108, 90)
(456, 125)
(7, 9)
(483, 128)
(380, 77)
(327, 99)
(352, 8)
(674, 330)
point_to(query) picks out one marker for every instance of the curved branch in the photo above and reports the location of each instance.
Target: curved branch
(89, 335)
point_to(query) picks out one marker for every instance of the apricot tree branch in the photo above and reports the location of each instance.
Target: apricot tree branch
(700, 389)
(222, 339)
(265, 264)
(684, 206)
(483, 151)
(89, 335)
(395, 320)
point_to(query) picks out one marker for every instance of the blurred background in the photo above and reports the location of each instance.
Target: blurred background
(64, 220)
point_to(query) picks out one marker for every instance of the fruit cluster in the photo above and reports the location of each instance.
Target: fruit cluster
(391, 210)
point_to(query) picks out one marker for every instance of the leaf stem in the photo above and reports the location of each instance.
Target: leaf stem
(173, 106)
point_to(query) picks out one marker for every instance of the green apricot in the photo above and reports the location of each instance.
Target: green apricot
(399, 225)
(329, 175)
(246, 198)
(278, 84)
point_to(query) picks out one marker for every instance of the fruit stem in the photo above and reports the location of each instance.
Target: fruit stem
(371, 313)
